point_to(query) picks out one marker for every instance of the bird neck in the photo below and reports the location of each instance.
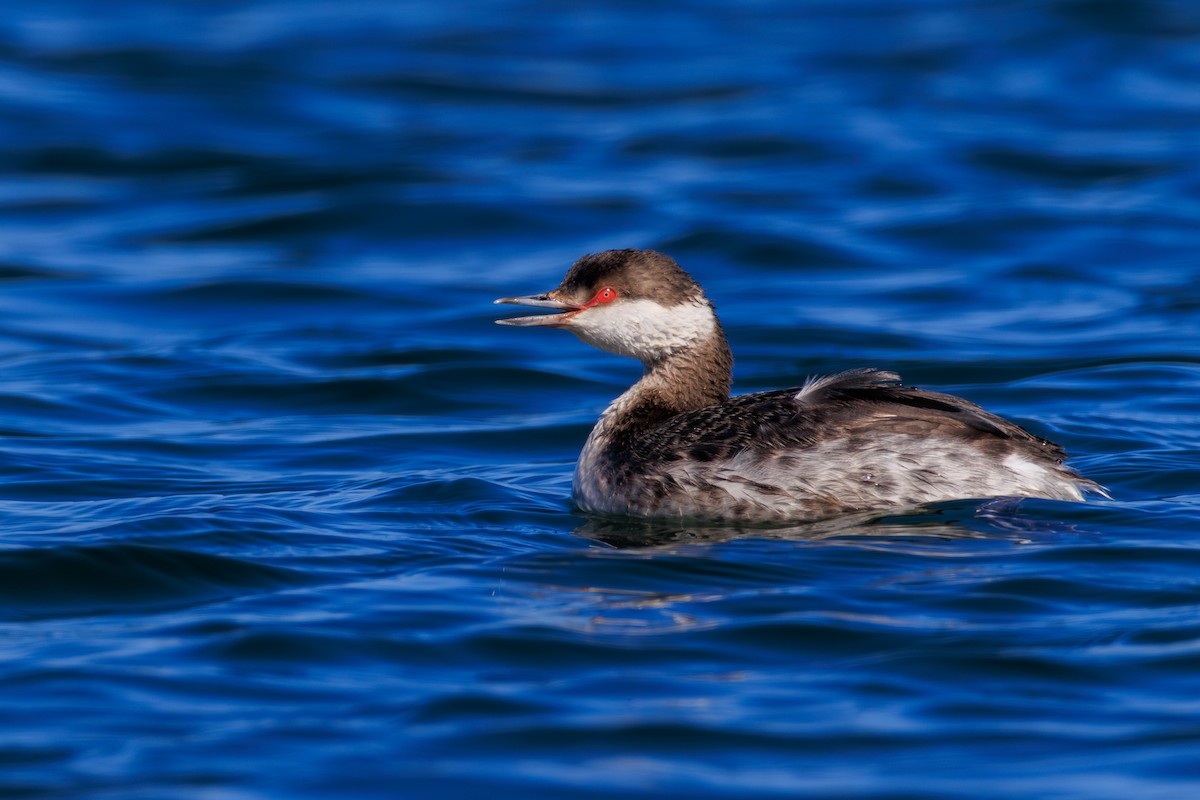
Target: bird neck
(691, 378)
(685, 380)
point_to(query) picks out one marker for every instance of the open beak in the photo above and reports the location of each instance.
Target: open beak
(538, 301)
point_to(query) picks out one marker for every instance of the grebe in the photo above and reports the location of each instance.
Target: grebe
(677, 445)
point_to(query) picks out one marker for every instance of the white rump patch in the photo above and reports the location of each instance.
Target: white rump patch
(1040, 481)
(1028, 470)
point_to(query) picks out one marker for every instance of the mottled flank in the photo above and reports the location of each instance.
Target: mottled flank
(855, 441)
(676, 445)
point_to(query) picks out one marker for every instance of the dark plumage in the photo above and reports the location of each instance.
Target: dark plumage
(636, 274)
(677, 445)
(840, 406)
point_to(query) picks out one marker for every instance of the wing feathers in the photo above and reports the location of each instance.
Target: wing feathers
(849, 404)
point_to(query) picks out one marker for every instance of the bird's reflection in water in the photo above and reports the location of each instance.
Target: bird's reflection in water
(1000, 518)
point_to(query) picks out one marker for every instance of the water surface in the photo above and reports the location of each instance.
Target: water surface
(285, 515)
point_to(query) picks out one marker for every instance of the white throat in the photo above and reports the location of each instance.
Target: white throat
(645, 329)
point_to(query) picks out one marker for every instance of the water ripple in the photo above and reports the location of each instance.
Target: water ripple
(125, 577)
(285, 513)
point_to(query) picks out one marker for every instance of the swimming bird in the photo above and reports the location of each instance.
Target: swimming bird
(677, 445)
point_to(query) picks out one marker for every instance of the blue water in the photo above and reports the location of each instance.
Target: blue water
(284, 514)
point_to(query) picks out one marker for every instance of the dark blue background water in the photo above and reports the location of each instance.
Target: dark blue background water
(285, 515)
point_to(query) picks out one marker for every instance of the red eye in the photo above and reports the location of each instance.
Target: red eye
(605, 295)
